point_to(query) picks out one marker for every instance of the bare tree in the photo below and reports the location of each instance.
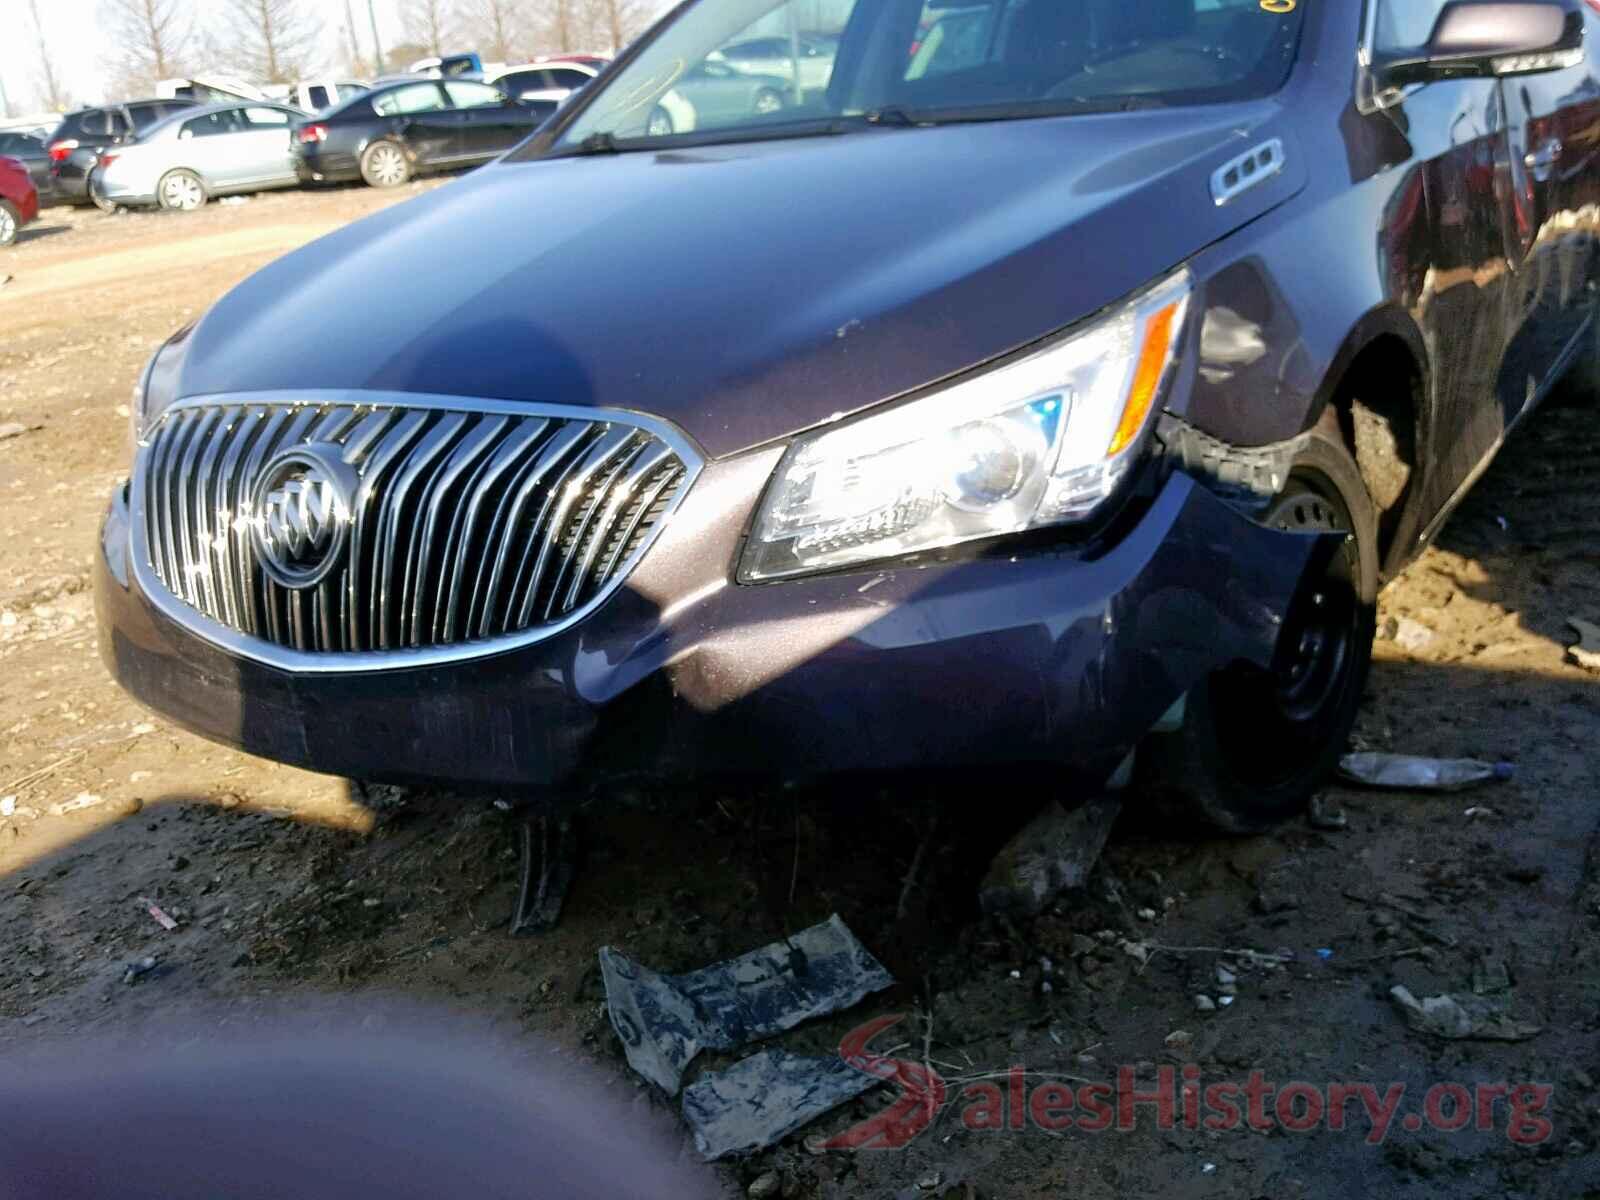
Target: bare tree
(275, 41)
(358, 65)
(53, 93)
(429, 23)
(598, 24)
(151, 38)
(496, 27)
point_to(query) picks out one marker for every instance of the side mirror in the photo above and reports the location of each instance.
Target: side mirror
(1491, 38)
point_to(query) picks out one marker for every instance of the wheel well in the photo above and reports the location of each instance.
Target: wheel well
(1377, 404)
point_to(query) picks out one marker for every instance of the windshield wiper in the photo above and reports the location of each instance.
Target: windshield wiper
(892, 115)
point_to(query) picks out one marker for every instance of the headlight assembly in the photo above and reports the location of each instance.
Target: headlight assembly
(158, 384)
(1043, 440)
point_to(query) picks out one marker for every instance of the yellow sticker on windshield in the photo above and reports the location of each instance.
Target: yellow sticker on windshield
(1278, 6)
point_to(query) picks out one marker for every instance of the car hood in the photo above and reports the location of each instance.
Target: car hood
(744, 292)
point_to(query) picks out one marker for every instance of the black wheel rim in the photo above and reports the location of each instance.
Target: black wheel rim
(1273, 723)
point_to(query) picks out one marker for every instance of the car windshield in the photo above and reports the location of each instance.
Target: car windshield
(800, 66)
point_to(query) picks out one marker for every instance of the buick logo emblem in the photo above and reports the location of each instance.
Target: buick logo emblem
(300, 514)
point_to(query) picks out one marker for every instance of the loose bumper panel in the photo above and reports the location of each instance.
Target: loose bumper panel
(1048, 658)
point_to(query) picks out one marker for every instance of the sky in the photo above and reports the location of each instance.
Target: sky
(73, 31)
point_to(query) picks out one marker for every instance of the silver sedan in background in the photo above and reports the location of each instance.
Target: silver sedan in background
(216, 150)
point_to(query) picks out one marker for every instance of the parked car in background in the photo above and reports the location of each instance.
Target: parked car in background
(715, 93)
(32, 153)
(318, 95)
(543, 81)
(597, 61)
(19, 199)
(809, 54)
(394, 132)
(76, 144)
(214, 150)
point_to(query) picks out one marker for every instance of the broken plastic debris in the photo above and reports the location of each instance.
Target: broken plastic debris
(766, 1097)
(1412, 635)
(161, 918)
(1410, 773)
(139, 968)
(1051, 854)
(665, 1020)
(1462, 1016)
(81, 801)
(1587, 652)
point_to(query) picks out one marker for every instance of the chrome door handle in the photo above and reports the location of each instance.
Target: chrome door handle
(1541, 163)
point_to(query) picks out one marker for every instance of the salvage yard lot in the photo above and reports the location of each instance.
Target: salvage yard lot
(286, 884)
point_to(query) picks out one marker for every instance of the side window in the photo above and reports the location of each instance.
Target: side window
(517, 82)
(1405, 24)
(266, 118)
(212, 124)
(952, 38)
(317, 96)
(146, 115)
(473, 95)
(566, 77)
(413, 98)
(115, 123)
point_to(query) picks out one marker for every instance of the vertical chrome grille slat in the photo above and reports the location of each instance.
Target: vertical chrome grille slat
(508, 519)
(459, 525)
(479, 442)
(252, 608)
(450, 602)
(384, 453)
(582, 524)
(386, 587)
(645, 461)
(572, 488)
(250, 423)
(188, 585)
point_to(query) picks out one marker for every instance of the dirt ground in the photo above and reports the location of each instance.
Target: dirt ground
(288, 885)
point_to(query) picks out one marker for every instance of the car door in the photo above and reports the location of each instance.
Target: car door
(1451, 133)
(1553, 125)
(207, 146)
(491, 121)
(422, 116)
(266, 144)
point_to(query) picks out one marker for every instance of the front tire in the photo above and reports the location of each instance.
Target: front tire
(181, 191)
(10, 222)
(384, 164)
(767, 102)
(660, 124)
(1256, 743)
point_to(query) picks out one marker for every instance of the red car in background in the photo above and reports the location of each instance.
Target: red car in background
(19, 199)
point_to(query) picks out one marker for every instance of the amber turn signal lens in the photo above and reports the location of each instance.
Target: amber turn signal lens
(1146, 379)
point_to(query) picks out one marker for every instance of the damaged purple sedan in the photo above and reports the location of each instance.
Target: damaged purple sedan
(1044, 382)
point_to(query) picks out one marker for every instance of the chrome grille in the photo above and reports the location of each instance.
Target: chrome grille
(470, 523)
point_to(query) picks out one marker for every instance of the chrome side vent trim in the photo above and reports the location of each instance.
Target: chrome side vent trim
(448, 528)
(1238, 175)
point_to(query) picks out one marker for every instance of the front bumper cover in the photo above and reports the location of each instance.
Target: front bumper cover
(1048, 658)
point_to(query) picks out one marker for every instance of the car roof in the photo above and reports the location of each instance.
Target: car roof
(562, 64)
(201, 110)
